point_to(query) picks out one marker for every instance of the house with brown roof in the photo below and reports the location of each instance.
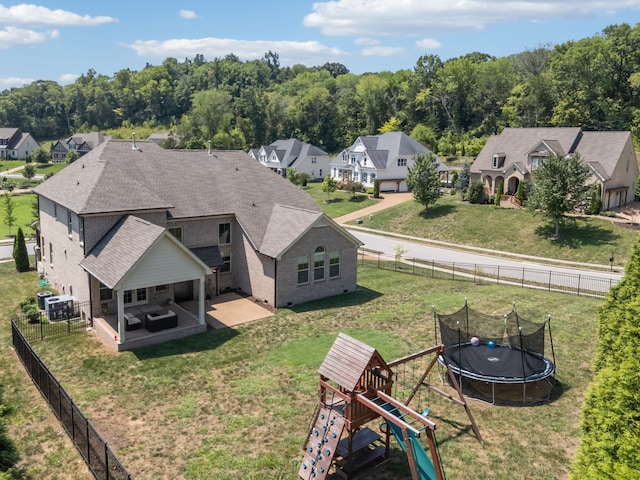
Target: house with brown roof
(16, 145)
(385, 157)
(131, 224)
(514, 155)
(80, 142)
(282, 155)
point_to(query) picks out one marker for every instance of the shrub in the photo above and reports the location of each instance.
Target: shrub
(475, 191)
(595, 202)
(376, 188)
(20, 254)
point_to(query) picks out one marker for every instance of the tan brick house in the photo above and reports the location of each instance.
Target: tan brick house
(514, 155)
(130, 223)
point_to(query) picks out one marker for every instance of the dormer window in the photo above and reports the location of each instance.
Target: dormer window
(498, 160)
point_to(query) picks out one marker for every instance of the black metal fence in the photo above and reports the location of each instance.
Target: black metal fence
(576, 284)
(41, 324)
(101, 461)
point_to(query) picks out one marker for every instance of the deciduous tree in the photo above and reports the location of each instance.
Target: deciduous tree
(423, 179)
(559, 187)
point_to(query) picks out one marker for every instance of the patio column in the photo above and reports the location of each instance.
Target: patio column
(201, 300)
(121, 329)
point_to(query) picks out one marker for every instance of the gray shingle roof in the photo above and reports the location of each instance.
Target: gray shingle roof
(287, 224)
(386, 148)
(292, 149)
(121, 248)
(114, 177)
(602, 147)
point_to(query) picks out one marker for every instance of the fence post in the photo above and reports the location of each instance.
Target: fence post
(86, 426)
(106, 459)
(549, 280)
(498, 276)
(433, 267)
(579, 276)
(378, 260)
(522, 277)
(453, 271)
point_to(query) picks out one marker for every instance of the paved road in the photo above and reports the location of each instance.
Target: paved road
(6, 250)
(517, 270)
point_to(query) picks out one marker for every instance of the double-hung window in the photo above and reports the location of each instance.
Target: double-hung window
(334, 264)
(303, 270)
(318, 264)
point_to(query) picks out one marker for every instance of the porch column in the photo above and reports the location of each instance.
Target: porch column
(201, 300)
(121, 329)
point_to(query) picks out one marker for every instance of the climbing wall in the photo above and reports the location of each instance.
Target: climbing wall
(321, 445)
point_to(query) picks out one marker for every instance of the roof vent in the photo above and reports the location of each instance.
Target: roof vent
(135, 145)
(211, 151)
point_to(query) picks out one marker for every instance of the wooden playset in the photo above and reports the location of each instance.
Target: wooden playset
(356, 386)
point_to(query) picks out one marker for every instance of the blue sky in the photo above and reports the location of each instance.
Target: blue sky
(60, 40)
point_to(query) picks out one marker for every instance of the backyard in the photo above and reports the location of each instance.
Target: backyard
(236, 403)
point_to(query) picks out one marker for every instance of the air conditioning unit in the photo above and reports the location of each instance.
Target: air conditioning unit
(59, 307)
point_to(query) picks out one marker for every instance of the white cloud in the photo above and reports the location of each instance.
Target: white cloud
(188, 14)
(17, 37)
(414, 17)
(68, 78)
(382, 51)
(428, 44)
(35, 15)
(289, 52)
(15, 81)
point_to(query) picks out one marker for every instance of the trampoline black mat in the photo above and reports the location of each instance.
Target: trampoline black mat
(499, 364)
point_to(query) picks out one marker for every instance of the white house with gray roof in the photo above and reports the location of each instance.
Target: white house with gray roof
(513, 156)
(282, 155)
(385, 157)
(16, 145)
(131, 225)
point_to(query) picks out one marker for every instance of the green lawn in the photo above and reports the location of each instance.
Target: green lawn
(23, 212)
(588, 239)
(340, 202)
(236, 403)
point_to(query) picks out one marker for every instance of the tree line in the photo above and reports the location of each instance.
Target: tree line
(451, 106)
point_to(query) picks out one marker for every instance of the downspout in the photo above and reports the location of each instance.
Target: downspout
(275, 283)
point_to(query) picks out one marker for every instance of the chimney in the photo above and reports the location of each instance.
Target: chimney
(134, 146)
(211, 151)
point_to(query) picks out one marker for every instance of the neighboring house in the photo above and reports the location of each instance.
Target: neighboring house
(513, 156)
(160, 138)
(131, 223)
(82, 143)
(386, 157)
(293, 153)
(15, 145)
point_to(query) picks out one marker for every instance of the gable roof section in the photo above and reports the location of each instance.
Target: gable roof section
(287, 224)
(293, 149)
(604, 148)
(347, 360)
(114, 177)
(124, 246)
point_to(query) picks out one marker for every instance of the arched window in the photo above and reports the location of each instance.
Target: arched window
(318, 264)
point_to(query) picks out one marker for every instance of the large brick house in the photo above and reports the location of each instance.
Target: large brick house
(130, 223)
(514, 155)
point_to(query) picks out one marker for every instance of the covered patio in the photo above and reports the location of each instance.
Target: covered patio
(106, 327)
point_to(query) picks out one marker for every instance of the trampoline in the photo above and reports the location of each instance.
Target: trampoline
(493, 355)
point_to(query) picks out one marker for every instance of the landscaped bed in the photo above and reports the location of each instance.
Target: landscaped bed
(237, 403)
